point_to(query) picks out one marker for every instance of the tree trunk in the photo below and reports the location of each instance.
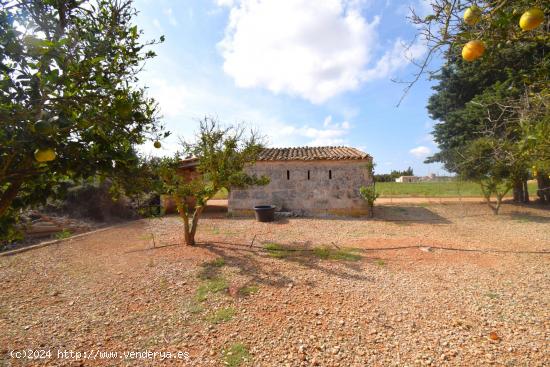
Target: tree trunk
(496, 208)
(195, 222)
(182, 210)
(525, 191)
(189, 240)
(8, 196)
(543, 187)
(487, 196)
(518, 191)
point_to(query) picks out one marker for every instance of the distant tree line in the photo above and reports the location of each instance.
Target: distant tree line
(390, 177)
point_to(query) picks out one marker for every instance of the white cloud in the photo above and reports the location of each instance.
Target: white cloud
(312, 50)
(420, 151)
(395, 59)
(183, 103)
(327, 122)
(228, 3)
(332, 133)
(421, 8)
(157, 25)
(171, 18)
(171, 97)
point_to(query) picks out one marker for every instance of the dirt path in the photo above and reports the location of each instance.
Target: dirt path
(422, 200)
(394, 200)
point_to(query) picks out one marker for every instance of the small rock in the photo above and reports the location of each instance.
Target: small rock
(494, 336)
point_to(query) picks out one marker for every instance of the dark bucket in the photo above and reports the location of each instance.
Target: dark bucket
(265, 213)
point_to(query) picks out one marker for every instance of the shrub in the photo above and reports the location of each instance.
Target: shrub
(369, 194)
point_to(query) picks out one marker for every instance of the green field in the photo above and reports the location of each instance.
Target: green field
(435, 189)
(424, 189)
(222, 194)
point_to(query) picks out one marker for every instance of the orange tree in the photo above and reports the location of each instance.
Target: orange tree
(70, 107)
(493, 85)
(223, 154)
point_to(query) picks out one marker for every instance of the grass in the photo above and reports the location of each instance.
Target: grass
(329, 253)
(195, 308)
(249, 290)
(380, 262)
(222, 315)
(211, 269)
(235, 355)
(63, 234)
(222, 194)
(435, 189)
(278, 251)
(215, 285)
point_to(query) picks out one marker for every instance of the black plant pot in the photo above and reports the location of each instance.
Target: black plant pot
(265, 213)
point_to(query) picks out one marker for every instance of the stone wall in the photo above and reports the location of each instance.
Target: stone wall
(332, 188)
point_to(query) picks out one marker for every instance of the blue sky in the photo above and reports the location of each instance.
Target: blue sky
(303, 72)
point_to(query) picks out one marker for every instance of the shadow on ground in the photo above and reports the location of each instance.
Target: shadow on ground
(407, 213)
(529, 217)
(391, 213)
(250, 261)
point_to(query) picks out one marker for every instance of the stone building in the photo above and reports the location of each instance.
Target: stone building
(408, 179)
(309, 180)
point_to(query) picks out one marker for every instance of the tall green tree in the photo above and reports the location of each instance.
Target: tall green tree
(491, 97)
(222, 155)
(70, 105)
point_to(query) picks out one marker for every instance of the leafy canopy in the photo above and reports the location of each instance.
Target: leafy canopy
(68, 83)
(221, 155)
(493, 112)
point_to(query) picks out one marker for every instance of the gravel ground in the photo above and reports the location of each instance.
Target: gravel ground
(402, 302)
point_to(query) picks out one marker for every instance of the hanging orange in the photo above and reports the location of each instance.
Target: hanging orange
(472, 15)
(44, 155)
(473, 50)
(531, 19)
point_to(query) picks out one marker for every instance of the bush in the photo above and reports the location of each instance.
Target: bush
(8, 230)
(369, 194)
(95, 201)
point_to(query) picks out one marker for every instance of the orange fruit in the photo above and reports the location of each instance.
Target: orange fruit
(473, 50)
(44, 155)
(472, 15)
(531, 19)
(157, 144)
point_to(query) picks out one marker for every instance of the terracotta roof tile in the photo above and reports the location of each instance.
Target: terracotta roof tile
(312, 153)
